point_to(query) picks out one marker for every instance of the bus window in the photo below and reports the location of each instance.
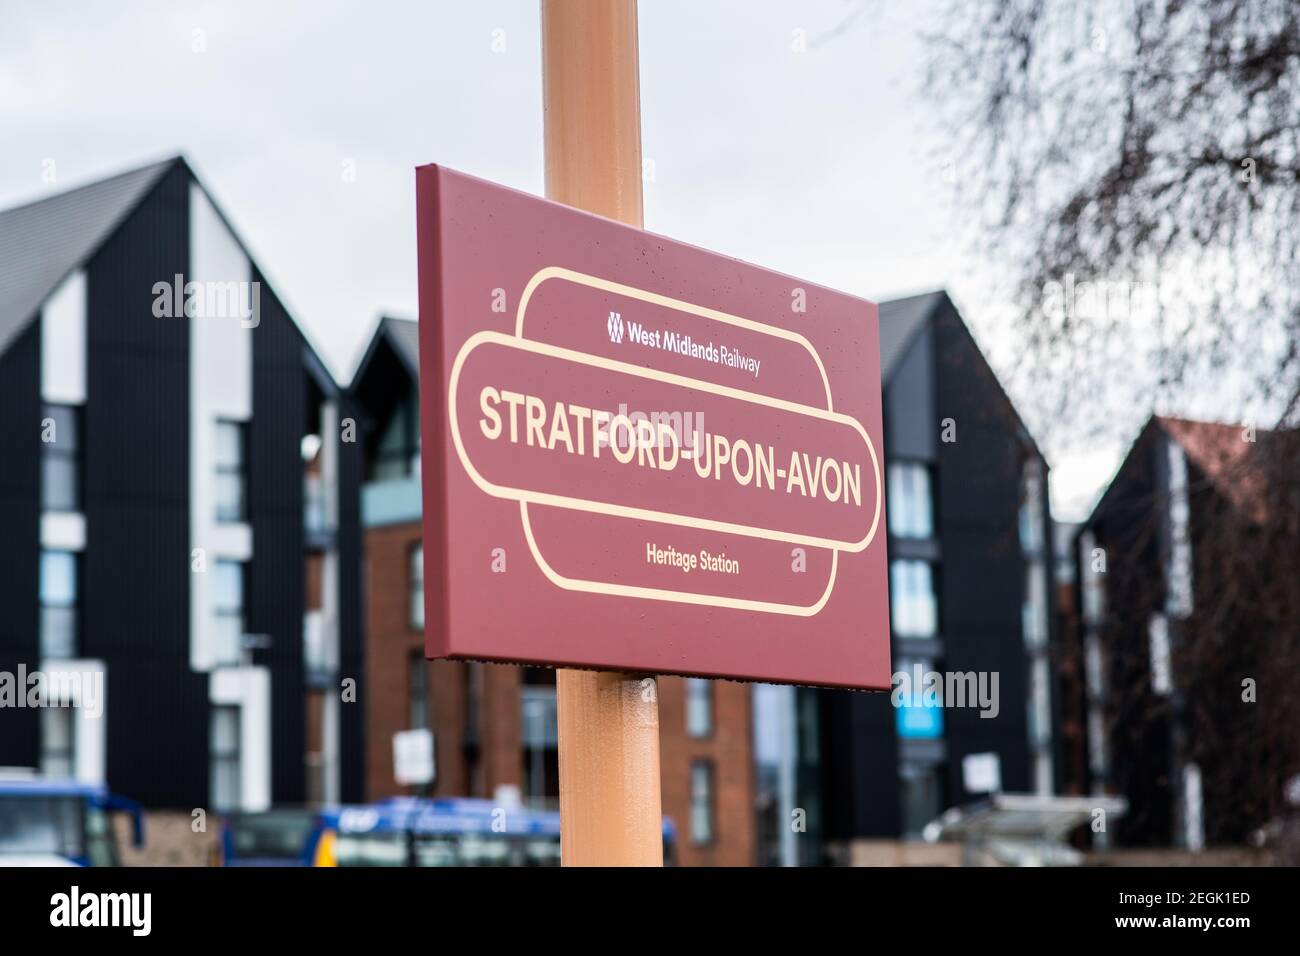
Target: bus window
(481, 850)
(101, 845)
(273, 837)
(542, 853)
(455, 831)
(437, 851)
(39, 827)
(370, 849)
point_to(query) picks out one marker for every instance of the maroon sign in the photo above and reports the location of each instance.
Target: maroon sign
(642, 456)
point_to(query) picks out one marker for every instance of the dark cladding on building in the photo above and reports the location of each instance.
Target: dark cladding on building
(173, 505)
(970, 592)
(1189, 606)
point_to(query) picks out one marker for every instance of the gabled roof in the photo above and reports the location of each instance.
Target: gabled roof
(405, 336)
(1229, 462)
(42, 242)
(402, 336)
(1233, 466)
(900, 321)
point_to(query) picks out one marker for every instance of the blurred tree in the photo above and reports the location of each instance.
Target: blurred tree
(1138, 164)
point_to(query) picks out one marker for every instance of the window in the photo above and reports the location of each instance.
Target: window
(702, 801)
(418, 693)
(1031, 508)
(57, 742)
(1178, 565)
(58, 604)
(1096, 741)
(415, 572)
(541, 755)
(918, 715)
(1093, 561)
(397, 455)
(1094, 678)
(699, 707)
(1161, 668)
(1034, 610)
(228, 610)
(1040, 710)
(911, 514)
(231, 486)
(912, 600)
(224, 754)
(60, 471)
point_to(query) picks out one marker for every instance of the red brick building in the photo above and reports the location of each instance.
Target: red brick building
(494, 725)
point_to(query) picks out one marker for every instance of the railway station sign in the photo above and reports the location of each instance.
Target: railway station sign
(643, 456)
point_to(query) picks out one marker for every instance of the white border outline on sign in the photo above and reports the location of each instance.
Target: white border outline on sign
(524, 497)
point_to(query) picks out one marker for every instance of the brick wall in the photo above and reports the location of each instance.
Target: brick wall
(729, 749)
(392, 648)
(475, 761)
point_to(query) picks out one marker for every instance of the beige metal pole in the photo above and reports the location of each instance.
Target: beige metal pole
(608, 722)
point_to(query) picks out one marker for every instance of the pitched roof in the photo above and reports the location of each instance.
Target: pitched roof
(402, 336)
(405, 336)
(1229, 462)
(43, 241)
(900, 320)
(1235, 468)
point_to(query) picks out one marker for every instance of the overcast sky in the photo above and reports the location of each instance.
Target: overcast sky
(822, 164)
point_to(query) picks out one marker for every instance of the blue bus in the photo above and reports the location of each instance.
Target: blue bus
(59, 822)
(276, 837)
(401, 831)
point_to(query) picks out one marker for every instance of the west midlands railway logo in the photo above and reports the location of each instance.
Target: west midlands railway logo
(615, 326)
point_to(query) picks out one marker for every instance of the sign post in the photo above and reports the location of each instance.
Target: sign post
(608, 721)
(639, 457)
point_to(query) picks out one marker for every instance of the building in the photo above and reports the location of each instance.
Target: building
(494, 725)
(971, 596)
(1068, 664)
(173, 506)
(475, 711)
(1189, 606)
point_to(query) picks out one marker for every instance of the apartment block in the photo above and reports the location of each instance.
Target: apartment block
(174, 507)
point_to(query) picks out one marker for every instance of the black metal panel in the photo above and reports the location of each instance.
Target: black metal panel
(20, 495)
(136, 578)
(275, 599)
(911, 428)
(979, 581)
(1137, 720)
(860, 783)
(982, 576)
(351, 607)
